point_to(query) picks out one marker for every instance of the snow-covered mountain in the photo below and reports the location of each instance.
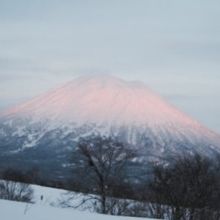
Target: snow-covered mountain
(101, 105)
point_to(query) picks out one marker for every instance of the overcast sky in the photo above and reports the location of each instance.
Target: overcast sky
(173, 46)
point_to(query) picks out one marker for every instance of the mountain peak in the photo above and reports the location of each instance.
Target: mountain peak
(105, 79)
(107, 105)
(101, 99)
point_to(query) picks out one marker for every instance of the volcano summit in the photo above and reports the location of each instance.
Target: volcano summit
(46, 128)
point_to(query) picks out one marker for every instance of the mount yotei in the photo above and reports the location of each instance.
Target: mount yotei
(44, 131)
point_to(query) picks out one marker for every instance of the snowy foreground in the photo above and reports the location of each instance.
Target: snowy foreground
(48, 208)
(21, 211)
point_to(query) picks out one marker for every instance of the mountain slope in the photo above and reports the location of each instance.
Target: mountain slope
(102, 105)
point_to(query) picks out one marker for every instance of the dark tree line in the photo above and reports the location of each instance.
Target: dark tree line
(187, 189)
(29, 176)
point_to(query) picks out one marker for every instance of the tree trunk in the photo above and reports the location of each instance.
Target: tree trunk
(177, 214)
(103, 199)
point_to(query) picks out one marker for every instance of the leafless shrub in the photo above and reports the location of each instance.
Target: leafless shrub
(15, 191)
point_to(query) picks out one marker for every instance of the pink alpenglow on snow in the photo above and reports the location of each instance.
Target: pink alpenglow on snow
(108, 102)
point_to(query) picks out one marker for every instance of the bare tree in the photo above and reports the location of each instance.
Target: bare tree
(188, 187)
(101, 165)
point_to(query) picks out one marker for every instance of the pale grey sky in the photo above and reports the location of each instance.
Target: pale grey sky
(173, 46)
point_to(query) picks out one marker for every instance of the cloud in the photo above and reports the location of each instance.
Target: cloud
(172, 46)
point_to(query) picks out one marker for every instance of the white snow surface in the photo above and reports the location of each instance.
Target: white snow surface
(48, 208)
(103, 99)
(22, 211)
